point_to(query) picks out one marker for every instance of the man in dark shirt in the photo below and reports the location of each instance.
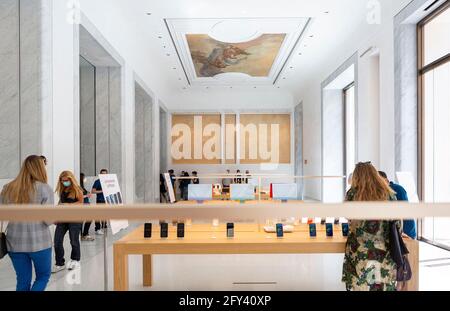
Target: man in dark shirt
(97, 189)
(409, 226)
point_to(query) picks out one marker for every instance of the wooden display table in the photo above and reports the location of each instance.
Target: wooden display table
(249, 239)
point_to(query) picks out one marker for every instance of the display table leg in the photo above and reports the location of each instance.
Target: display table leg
(120, 269)
(147, 270)
(413, 257)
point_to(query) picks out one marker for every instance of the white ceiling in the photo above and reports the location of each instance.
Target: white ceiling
(334, 24)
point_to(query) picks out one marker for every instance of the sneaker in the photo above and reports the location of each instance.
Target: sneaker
(56, 268)
(87, 238)
(99, 232)
(73, 265)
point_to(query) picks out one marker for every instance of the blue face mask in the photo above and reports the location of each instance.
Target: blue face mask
(67, 183)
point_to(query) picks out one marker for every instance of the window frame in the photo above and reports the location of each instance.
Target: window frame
(422, 70)
(344, 107)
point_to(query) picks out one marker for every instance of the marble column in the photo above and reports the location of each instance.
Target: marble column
(163, 124)
(144, 139)
(115, 121)
(31, 84)
(139, 178)
(298, 134)
(24, 80)
(148, 150)
(102, 118)
(87, 118)
(9, 89)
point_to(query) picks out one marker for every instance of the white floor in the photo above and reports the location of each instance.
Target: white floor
(228, 273)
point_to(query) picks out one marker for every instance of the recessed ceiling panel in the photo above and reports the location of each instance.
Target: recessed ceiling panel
(216, 51)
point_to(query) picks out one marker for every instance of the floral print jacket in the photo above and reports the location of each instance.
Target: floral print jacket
(368, 265)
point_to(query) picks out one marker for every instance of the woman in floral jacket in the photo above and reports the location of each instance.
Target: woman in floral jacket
(368, 265)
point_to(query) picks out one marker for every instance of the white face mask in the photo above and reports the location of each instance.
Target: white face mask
(85, 180)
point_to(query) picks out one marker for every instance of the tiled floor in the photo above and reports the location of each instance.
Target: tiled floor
(271, 272)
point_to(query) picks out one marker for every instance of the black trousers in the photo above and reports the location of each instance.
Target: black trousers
(74, 235)
(86, 227)
(100, 225)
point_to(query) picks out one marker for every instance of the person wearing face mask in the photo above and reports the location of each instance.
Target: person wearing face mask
(86, 196)
(69, 192)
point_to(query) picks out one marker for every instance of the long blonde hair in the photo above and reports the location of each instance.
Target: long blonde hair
(368, 184)
(74, 189)
(22, 189)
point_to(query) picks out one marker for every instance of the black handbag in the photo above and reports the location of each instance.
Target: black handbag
(399, 253)
(3, 247)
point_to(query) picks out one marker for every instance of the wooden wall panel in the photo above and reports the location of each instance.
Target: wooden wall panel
(265, 124)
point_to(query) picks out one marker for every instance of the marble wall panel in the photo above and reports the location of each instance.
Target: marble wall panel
(9, 89)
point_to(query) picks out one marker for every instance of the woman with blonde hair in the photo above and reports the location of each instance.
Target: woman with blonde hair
(368, 264)
(30, 243)
(69, 192)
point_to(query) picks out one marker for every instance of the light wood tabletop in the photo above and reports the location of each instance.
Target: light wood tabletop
(248, 239)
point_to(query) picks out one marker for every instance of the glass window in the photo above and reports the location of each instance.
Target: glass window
(436, 35)
(434, 77)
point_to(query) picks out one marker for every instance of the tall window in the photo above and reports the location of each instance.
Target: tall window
(349, 129)
(434, 89)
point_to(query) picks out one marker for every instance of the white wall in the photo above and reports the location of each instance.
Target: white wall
(204, 100)
(375, 132)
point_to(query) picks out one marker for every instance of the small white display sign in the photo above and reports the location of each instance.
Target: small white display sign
(113, 196)
(169, 187)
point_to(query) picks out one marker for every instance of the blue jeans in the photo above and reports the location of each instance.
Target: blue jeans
(23, 264)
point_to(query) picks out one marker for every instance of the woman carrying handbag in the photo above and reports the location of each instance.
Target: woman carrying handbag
(29, 244)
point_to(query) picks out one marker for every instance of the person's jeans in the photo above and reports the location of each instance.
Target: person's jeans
(74, 235)
(23, 265)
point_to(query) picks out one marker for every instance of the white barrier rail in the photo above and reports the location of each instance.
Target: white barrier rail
(226, 211)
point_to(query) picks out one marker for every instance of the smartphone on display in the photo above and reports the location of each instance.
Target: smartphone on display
(148, 230)
(329, 229)
(180, 230)
(312, 230)
(116, 198)
(345, 229)
(279, 230)
(120, 197)
(164, 230)
(108, 200)
(230, 230)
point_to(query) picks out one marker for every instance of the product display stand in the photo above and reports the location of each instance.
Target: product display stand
(105, 259)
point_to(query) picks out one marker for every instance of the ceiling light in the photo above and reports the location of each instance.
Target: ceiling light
(179, 79)
(311, 36)
(327, 12)
(291, 67)
(300, 54)
(167, 54)
(284, 78)
(159, 37)
(149, 13)
(174, 68)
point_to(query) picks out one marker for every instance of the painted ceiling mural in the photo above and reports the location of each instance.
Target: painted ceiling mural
(255, 57)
